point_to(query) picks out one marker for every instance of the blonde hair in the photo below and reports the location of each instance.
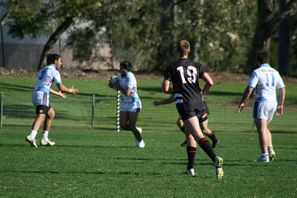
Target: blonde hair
(183, 47)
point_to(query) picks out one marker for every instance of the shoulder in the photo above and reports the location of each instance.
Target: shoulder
(130, 75)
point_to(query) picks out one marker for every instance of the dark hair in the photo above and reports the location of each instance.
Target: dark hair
(262, 57)
(126, 65)
(183, 47)
(50, 58)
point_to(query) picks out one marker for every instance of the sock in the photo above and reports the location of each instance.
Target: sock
(45, 135)
(191, 151)
(213, 137)
(33, 134)
(203, 143)
(270, 147)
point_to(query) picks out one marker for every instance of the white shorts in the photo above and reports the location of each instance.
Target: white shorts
(130, 106)
(264, 110)
(40, 98)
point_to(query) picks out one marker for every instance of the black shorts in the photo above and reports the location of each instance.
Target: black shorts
(187, 114)
(205, 107)
(42, 109)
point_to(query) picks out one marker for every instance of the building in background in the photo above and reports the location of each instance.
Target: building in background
(25, 53)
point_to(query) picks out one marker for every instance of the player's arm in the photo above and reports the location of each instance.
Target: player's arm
(57, 93)
(166, 86)
(126, 92)
(208, 82)
(246, 94)
(281, 101)
(163, 101)
(64, 89)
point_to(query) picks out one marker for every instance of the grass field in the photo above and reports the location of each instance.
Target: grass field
(99, 162)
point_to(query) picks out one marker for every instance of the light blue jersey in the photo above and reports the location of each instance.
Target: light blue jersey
(266, 80)
(46, 77)
(132, 102)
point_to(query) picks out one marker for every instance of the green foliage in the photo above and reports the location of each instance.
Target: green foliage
(146, 32)
(37, 17)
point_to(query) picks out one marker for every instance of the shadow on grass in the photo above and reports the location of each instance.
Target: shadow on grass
(65, 146)
(52, 172)
(14, 87)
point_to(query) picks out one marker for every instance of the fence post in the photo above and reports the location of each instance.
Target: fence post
(118, 111)
(1, 110)
(93, 110)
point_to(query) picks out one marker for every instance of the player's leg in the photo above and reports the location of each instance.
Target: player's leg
(271, 152)
(261, 125)
(272, 109)
(206, 130)
(181, 126)
(46, 127)
(132, 126)
(39, 119)
(191, 152)
(124, 116)
(192, 126)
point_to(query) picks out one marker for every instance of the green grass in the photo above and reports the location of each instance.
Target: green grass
(102, 163)
(87, 163)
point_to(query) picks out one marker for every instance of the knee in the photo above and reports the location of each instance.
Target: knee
(124, 126)
(51, 114)
(180, 124)
(131, 126)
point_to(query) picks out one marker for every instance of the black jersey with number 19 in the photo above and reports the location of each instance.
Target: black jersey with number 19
(184, 75)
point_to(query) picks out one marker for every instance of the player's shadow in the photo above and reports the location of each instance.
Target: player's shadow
(14, 87)
(53, 172)
(18, 111)
(66, 146)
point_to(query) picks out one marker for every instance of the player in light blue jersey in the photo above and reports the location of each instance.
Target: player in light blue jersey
(130, 104)
(265, 80)
(40, 98)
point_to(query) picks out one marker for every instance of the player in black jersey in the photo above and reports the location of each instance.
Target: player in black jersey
(184, 74)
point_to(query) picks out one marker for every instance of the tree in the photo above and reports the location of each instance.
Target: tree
(36, 17)
(267, 24)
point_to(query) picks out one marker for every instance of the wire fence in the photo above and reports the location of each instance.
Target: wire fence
(101, 112)
(78, 111)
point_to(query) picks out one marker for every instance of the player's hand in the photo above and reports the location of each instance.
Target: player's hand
(279, 110)
(240, 107)
(62, 95)
(73, 90)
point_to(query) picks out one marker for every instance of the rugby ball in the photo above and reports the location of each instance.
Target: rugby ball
(113, 81)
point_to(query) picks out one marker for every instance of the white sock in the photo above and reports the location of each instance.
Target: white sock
(45, 135)
(270, 147)
(33, 134)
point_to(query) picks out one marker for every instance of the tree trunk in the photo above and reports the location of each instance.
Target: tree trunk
(260, 41)
(267, 25)
(283, 43)
(53, 39)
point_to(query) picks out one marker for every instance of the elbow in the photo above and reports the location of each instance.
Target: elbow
(165, 90)
(211, 83)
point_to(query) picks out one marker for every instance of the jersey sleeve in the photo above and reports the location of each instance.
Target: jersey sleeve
(253, 80)
(131, 81)
(201, 70)
(168, 73)
(280, 83)
(57, 77)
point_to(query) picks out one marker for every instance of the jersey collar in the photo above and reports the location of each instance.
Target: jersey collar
(265, 65)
